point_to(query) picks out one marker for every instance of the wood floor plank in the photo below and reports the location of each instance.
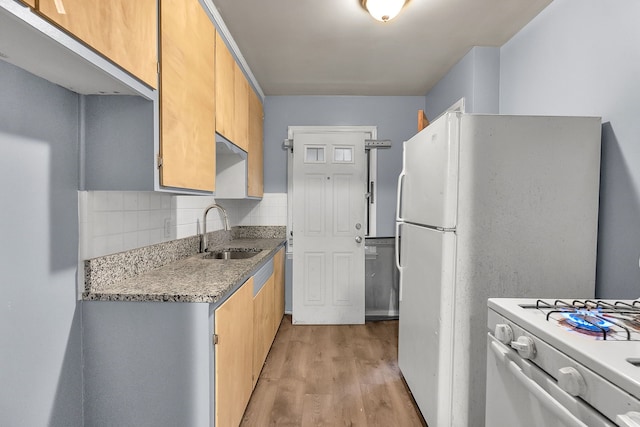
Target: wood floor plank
(347, 394)
(285, 329)
(275, 364)
(259, 409)
(339, 375)
(317, 411)
(288, 403)
(297, 359)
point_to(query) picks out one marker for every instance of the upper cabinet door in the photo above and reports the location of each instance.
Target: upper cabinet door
(255, 178)
(241, 109)
(187, 96)
(124, 31)
(225, 90)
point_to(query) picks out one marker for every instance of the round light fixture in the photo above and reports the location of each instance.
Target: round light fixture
(383, 10)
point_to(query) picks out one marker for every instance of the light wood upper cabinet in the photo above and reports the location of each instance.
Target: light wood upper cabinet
(234, 356)
(187, 96)
(239, 115)
(241, 109)
(31, 3)
(255, 178)
(232, 96)
(124, 31)
(225, 90)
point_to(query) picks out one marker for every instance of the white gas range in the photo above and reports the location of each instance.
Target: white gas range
(563, 363)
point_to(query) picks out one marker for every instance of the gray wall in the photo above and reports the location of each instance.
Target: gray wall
(580, 57)
(475, 78)
(40, 360)
(395, 117)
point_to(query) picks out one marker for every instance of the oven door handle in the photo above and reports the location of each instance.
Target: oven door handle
(538, 392)
(630, 419)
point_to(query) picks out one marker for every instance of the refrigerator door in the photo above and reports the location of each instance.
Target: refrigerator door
(425, 342)
(428, 184)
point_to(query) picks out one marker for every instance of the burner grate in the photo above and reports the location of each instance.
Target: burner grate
(596, 316)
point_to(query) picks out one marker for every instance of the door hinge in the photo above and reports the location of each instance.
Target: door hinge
(159, 160)
(215, 339)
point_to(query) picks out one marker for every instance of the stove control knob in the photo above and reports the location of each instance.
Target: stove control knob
(525, 347)
(503, 333)
(570, 380)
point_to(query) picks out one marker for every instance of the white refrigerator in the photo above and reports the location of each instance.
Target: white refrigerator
(488, 206)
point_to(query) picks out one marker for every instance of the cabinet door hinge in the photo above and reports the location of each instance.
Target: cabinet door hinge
(159, 160)
(215, 339)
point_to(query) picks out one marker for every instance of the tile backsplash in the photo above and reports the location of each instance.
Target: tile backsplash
(115, 221)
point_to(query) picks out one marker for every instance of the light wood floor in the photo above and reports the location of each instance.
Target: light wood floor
(344, 375)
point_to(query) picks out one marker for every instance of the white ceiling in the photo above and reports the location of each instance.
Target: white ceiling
(333, 47)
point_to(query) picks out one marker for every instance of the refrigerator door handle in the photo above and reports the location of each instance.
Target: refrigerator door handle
(397, 242)
(399, 197)
(397, 258)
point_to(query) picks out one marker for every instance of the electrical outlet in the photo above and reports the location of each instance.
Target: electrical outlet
(167, 227)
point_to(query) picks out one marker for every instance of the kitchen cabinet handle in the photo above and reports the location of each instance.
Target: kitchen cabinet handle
(545, 399)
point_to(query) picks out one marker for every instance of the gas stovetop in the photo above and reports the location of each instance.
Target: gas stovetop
(601, 335)
(593, 319)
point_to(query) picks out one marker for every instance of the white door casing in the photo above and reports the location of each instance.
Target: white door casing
(329, 228)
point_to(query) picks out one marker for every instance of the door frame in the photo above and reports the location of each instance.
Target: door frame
(372, 169)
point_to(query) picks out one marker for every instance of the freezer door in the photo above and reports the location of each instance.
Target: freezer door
(428, 185)
(425, 343)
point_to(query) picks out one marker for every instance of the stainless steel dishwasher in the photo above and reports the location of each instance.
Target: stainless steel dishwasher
(382, 279)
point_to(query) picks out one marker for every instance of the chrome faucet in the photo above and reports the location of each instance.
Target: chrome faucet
(203, 243)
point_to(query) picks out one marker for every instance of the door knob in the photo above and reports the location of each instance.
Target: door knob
(358, 239)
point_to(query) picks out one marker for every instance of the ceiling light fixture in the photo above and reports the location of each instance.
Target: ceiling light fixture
(383, 10)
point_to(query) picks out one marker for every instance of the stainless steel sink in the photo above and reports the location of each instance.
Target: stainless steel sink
(232, 254)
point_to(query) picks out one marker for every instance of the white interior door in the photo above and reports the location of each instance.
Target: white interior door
(328, 228)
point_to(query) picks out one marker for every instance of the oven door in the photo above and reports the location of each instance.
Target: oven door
(519, 394)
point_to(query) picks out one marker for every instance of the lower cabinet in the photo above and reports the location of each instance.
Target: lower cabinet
(154, 363)
(278, 284)
(245, 326)
(146, 364)
(233, 327)
(263, 319)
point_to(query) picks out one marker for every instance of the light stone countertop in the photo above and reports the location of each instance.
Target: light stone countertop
(191, 278)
